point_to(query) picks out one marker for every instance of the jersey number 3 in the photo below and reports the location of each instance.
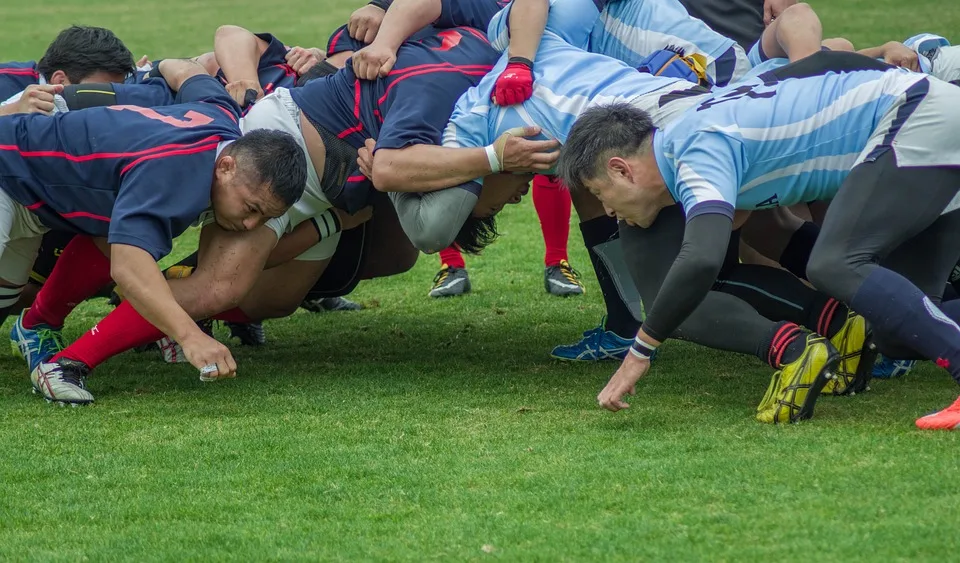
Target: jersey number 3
(189, 119)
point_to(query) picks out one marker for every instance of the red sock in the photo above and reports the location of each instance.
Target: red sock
(234, 315)
(452, 257)
(118, 332)
(552, 201)
(80, 272)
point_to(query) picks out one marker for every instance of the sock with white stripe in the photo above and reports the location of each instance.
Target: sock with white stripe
(9, 296)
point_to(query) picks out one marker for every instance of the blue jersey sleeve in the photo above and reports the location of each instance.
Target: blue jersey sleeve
(150, 93)
(419, 112)
(204, 88)
(341, 41)
(158, 199)
(707, 175)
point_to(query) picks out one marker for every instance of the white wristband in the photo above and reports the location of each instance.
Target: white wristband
(641, 349)
(492, 159)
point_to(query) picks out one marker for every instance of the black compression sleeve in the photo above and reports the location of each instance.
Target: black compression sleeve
(692, 274)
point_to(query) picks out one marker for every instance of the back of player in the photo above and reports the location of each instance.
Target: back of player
(630, 30)
(15, 76)
(411, 105)
(272, 70)
(764, 144)
(84, 170)
(567, 82)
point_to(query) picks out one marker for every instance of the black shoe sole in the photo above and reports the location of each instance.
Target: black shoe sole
(810, 401)
(868, 355)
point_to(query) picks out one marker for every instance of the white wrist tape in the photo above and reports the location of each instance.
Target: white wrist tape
(492, 158)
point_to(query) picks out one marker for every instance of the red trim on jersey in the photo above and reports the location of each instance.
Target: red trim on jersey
(446, 67)
(333, 43)
(229, 113)
(357, 178)
(104, 155)
(35, 206)
(20, 72)
(84, 215)
(476, 33)
(179, 152)
(356, 113)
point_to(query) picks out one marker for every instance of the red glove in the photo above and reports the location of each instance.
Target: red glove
(515, 83)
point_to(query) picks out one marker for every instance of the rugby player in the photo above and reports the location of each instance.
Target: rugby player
(876, 140)
(155, 171)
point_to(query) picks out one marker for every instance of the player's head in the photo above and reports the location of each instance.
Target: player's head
(85, 54)
(609, 153)
(480, 228)
(257, 177)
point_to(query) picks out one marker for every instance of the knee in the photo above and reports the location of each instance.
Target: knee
(838, 44)
(799, 10)
(823, 267)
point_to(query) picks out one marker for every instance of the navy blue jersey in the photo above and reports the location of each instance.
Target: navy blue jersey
(341, 41)
(470, 13)
(409, 106)
(272, 70)
(15, 77)
(135, 175)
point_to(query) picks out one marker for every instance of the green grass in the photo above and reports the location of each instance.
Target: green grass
(422, 429)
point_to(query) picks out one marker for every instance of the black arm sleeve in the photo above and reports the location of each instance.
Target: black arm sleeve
(693, 273)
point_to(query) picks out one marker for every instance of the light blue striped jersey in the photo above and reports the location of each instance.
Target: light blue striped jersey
(567, 81)
(632, 29)
(755, 145)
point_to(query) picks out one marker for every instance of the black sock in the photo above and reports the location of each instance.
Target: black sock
(619, 319)
(797, 252)
(826, 316)
(783, 345)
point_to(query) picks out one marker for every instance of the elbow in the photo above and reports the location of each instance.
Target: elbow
(385, 178)
(432, 240)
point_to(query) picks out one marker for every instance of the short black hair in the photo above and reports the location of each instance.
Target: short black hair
(80, 51)
(476, 234)
(276, 159)
(616, 128)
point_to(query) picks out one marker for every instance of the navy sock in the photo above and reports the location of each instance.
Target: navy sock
(796, 254)
(899, 310)
(620, 320)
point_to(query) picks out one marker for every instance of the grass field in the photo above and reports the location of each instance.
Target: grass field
(421, 429)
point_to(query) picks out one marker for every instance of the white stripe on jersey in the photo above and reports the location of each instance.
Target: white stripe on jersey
(831, 163)
(893, 84)
(701, 189)
(644, 41)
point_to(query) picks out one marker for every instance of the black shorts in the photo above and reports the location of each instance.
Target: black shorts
(343, 273)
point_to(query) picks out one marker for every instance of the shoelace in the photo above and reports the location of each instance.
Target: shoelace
(441, 276)
(69, 376)
(569, 272)
(45, 335)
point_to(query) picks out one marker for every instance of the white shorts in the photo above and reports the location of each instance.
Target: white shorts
(20, 234)
(278, 112)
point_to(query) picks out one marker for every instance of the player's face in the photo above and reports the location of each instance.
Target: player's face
(629, 191)
(238, 204)
(499, 190)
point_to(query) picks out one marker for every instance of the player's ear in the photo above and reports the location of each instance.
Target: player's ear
(619, 168)
(227, 164)
(58, 77)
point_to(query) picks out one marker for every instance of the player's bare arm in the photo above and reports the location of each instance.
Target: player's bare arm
(142, 283)
(238, 53)
(403, 19)
(420, 168)
(528, 18)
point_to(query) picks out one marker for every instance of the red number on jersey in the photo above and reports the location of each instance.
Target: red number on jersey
(450, 39)
(189, 119)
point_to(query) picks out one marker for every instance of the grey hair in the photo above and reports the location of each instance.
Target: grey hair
(601, 132)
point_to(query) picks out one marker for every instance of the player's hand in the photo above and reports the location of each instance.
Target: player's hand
(302, 59)
(515, 83)
(348, 221)
(365, 158)
(519, 154)
(623, 382)
(364, 23)
(37, 98)
(203, 351)
(144, 61)
(773, 8)
(373, 61)
(898, 54)
(238, 90)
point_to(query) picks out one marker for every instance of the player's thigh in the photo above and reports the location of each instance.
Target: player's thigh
(16, 260)
(878, 208)
(386, 249)
(279, 291)
(228, 265)
(927, 258)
